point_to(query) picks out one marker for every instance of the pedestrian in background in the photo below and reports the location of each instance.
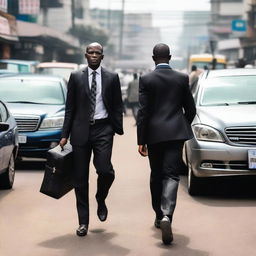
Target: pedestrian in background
(94, 113)
(166, 111)
(193, 76)
(133, 95)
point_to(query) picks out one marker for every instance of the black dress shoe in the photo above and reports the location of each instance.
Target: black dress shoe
(165, 225)
(157, 222)
(102, 211)
(82, 230)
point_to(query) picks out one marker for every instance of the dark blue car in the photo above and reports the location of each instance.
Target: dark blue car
(37, 103)
(8, 147)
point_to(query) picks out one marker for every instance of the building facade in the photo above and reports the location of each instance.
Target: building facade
(232, 27)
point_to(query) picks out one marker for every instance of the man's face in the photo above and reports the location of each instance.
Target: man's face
(94, 56)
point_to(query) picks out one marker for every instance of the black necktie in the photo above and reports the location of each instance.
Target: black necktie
(93, 95)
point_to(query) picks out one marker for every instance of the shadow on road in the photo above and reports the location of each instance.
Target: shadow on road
(4, 193)
(179, 245)
(226, 191)
(97, 242)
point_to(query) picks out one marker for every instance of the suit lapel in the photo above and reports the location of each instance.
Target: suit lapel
(85, 79)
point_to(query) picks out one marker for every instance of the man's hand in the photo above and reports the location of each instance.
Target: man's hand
(63, 142)
(143, 150)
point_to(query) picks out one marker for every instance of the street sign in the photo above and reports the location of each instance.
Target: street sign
(239, 25)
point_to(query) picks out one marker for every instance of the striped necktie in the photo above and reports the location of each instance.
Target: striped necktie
(93, 95)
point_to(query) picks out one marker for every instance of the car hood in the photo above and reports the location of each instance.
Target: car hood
(36, 109)
(221, 117)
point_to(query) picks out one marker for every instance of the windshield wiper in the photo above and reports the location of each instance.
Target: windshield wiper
(26, 102)
(246, 102)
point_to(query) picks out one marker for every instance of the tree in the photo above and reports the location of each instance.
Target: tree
(88, 34)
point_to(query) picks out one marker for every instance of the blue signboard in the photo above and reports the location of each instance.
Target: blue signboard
(239, 25)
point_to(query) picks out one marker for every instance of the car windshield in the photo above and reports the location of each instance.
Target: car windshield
(229, 90)
(63, 72)
(31, 91)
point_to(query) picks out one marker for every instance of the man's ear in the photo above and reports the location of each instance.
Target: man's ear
(102, 57)
(170, 56)
(154, 58)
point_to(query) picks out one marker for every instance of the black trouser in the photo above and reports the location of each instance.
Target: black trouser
(165, 161)
(100, 143)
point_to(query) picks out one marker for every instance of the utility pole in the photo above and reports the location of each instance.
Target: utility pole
(121, 30)
(109, 16)
(73, 14)
(213, 47)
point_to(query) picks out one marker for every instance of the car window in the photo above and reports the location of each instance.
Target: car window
(23, 68)
(229, 90)
(31, 91)
(203, 65)
(3, 113)
(10, 67)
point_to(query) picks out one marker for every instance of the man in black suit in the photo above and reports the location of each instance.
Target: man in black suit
(93, 115)
(166, 111)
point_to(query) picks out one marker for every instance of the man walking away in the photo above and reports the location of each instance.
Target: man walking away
(166, 111)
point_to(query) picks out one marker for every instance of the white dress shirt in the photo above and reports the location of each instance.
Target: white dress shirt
(100, 109)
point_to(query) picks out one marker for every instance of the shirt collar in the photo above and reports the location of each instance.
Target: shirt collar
(98, 70)
(163, 64)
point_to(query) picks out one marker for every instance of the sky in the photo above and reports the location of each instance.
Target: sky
(152, 5)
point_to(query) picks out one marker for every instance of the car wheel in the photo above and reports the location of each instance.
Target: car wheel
(7, 178)
(193, 182)
(184, 162)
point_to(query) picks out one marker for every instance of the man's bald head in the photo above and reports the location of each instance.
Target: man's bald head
(94, 44)
(161, 53)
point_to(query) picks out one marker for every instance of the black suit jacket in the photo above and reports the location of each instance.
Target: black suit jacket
(77, 115)
(167, 107)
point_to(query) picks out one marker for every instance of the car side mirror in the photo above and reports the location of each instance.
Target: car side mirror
(4, 127)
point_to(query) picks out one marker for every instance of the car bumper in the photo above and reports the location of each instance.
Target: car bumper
(211, 159)
(38, 143)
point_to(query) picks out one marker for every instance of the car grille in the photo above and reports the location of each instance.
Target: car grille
(27, 123)
(242, 135)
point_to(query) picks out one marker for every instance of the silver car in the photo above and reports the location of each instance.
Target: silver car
(224, 127)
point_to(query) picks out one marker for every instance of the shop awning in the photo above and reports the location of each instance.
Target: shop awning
(7, 28)
(45, 35)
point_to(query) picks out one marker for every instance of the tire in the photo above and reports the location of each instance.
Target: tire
(193, 182)
(184, 162)
(7, 178)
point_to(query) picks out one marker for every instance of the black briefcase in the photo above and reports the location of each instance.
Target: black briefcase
(58, 178)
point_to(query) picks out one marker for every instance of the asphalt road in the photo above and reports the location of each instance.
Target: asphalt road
(222, 222)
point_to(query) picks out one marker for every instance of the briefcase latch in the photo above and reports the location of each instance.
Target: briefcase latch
(54, 169)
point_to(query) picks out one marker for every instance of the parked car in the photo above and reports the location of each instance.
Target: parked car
(224, 127)
(37, 103)
(17, 66)
(8, 147)
(62, 69)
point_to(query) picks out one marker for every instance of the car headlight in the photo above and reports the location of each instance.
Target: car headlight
(52, 122)
(207, 133)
